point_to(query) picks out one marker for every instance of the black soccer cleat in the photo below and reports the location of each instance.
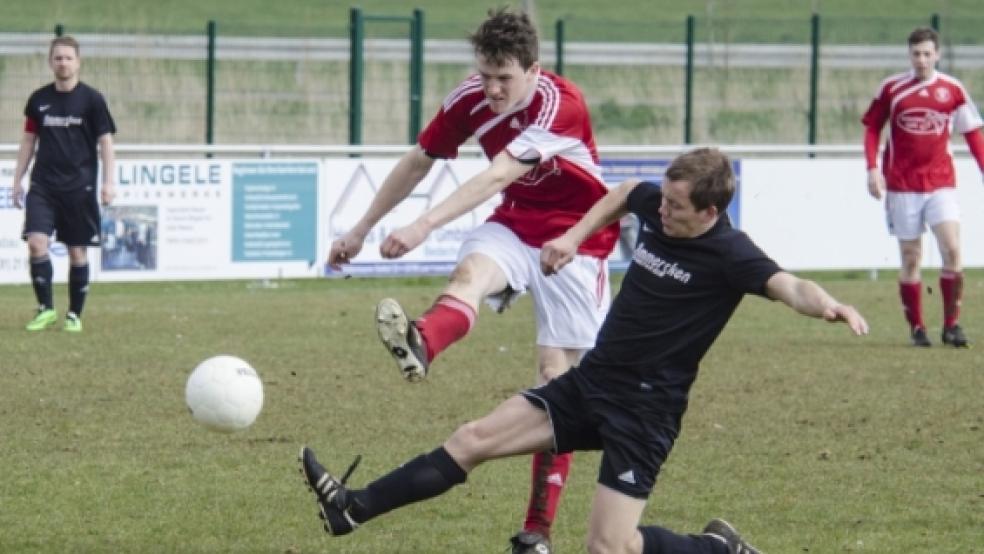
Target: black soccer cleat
(402, 339)
(954, 336)
(724, 531)
(919, 337)
(526, 542)
(334, 498)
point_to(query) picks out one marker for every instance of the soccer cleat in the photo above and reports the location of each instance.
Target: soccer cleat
(44, 319)
(402, 339)
(724, 531)
(72, 323)
(954, 336)
(527, 542)
(334, 498)
(919, 337)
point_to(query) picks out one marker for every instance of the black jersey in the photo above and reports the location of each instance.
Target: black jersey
(68, 125)
(677, 295)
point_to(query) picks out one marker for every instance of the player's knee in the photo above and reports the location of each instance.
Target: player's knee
(549, 371)
(470, 441)
(604, 541)
(37, 245)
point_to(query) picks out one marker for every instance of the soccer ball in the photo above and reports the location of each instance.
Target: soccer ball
(224, 393)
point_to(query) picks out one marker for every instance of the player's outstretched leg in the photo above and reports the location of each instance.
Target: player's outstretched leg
(726, 532)
(402, 339)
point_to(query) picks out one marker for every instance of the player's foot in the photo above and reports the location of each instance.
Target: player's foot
(954, 336)
(72, 323)
(527, 542)
(44, 319)
(334, 498)
(402, 339)
(724, 531)
(919, 337)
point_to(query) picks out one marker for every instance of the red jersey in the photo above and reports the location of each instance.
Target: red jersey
(553, 124)
(922, 115)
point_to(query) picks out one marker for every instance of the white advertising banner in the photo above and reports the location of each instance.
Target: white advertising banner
(349, 188)
(228, 219)
(817, 214)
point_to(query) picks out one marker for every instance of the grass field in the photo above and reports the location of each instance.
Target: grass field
(809, 439)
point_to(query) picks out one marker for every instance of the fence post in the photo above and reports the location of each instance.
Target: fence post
(689, 83)
(559, 49)
(355, 75)
(814, 75)
(210, 84)
(416, 72)
(59, 29)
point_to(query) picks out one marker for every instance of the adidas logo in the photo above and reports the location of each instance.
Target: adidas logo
(627, 477)
(555, 479)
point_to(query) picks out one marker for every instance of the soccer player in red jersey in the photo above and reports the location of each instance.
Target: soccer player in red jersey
(534, 127)
(921, 107)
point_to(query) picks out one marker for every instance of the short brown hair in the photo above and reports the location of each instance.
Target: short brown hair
(708, 170)
(66, 40)
(922, 34)
(505, 35)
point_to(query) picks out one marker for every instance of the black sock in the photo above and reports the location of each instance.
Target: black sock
(423, 477)
(78, 287)
(41, 280)
(656, 540)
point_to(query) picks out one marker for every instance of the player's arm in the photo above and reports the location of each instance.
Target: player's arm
(809, 298)
(876, 181)
(398, 184)
(503, 170)
(24, 154)
(558, 252)
(975, 142)
(107, 155)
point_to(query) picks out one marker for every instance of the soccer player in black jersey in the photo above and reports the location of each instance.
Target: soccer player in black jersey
(689, 271)
(68, 121)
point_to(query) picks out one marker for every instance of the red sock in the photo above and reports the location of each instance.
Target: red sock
(951, 285)
(911, 294)
(549, 475)
(445, 322)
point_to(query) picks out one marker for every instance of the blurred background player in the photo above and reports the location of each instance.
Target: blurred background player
(689, 272)
(68, 121)
(534, 127)
(921, 106)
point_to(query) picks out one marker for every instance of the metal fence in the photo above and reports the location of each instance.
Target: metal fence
(377, 79)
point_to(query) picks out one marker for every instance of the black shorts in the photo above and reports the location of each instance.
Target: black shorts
(634, 435)
(73, 216)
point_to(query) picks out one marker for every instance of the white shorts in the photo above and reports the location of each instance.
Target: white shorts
(570, 306)
(909, 213)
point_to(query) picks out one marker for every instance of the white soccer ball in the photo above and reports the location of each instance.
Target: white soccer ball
(224, 393)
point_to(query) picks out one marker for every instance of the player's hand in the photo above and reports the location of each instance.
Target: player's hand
(403, 240)
(344, 249)
(557, 253)
(847, 314)
(18, 193)
(107, 193)
(876, 183)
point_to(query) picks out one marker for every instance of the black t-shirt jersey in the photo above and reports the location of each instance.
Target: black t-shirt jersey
(68, 125)
(677, 295)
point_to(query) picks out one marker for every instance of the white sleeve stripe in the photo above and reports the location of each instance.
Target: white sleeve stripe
(551, 103)
(467, 87)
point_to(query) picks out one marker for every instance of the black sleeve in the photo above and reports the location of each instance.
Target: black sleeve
(749, 268)
(644, 201)
(99, 116)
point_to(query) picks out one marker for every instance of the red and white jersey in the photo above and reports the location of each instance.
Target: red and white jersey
(553, 124)
(921, 116)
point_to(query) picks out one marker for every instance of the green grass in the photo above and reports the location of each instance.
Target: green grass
(809, 439)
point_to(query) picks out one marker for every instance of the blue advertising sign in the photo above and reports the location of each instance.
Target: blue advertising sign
(274, 211)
